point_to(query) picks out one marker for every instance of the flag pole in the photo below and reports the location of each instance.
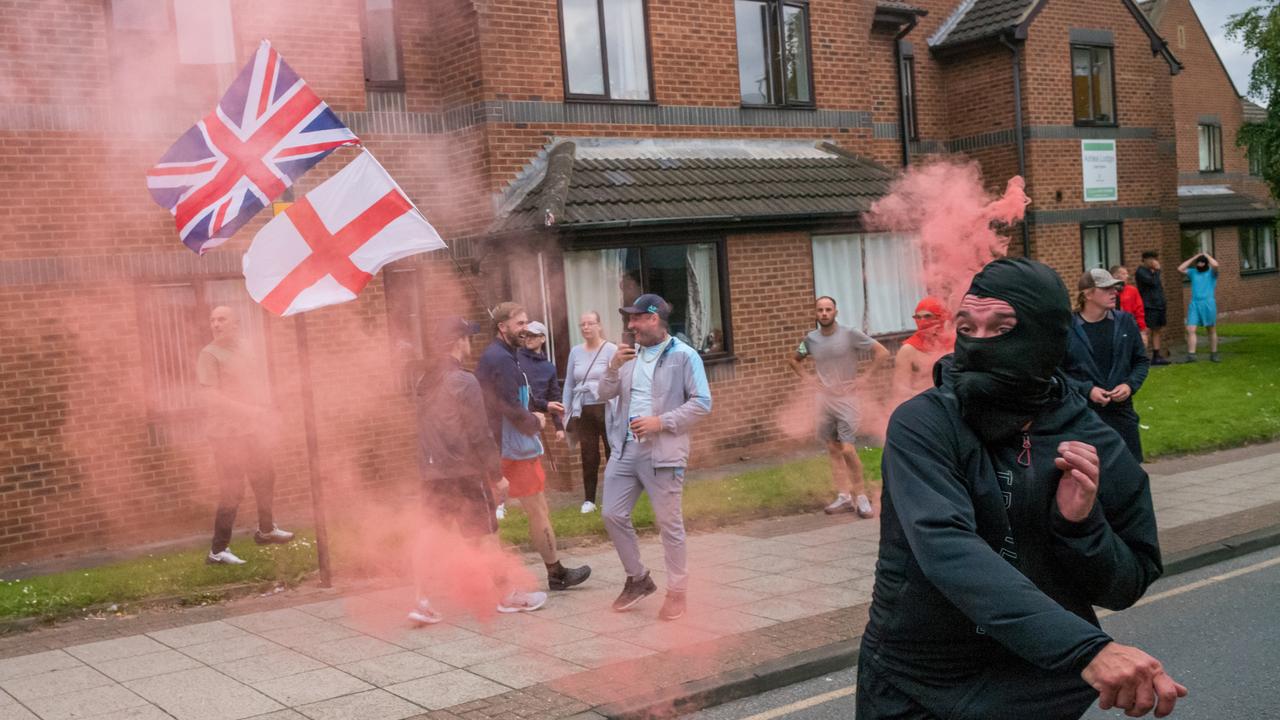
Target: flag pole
(313, 452)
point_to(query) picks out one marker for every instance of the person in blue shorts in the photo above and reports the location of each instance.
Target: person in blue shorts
(1202, 311)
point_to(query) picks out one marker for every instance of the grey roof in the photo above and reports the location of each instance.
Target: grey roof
(1253, 112)
(598, 184)
(1223, 208)
(900, 7)
(980, 19)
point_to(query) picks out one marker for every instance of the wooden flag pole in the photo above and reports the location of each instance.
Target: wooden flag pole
(313, 452)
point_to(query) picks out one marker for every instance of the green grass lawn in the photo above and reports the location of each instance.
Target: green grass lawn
(1184, 408)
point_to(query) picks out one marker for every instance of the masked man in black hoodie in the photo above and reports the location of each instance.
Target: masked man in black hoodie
(1009, 511)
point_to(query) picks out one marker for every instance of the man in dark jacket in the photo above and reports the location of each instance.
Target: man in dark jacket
(1009, 511)
(1106, 362)
(507, 399)
(458, 461)
(544, 385)
(1151, 288)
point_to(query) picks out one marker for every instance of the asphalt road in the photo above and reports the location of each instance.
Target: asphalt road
(1217, 631)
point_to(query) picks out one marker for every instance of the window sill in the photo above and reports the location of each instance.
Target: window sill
(595, 100)
(387, 87)
(1219, 171)
(810, 107)
(1086, 124)
(1263, 272)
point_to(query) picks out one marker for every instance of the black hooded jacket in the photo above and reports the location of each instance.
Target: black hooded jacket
(977, 568)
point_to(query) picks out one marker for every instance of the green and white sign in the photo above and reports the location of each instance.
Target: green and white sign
(1098, 158)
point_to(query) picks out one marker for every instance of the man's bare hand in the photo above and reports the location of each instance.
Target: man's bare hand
(1098, 396)
(645, 426)
(1120, 393)
(542, 419)
(624, 354)
(1129, 679)
(555, 408)
(501, 488)
(1079, 484)
(560, 435)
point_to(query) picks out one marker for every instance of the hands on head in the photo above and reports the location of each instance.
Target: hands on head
(1131, 680)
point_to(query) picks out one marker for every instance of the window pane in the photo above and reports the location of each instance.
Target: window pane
(582, 47)
(1205, 149)
(148, 15)
(1093, 248)
(1215, 131)
(1104, 100)
(1081, 96)
(1196, 241)
(380, 42)
(628, 54)
(893, 281)
(753, 51)
(796, 53)
(593, 283)
(1113, 247)
(688, 277)
(838, 273)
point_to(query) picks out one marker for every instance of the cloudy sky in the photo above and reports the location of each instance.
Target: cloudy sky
(1213, 14)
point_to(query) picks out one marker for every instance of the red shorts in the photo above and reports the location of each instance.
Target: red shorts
(526, 477)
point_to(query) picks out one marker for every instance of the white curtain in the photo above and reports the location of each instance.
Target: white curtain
(837, 271)
(627, 50)
(591, 285)
(704, 294)
(894, 281)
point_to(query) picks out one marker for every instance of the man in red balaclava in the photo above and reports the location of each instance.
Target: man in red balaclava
(934, 337)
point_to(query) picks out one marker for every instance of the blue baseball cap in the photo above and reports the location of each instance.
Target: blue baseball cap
(453, 327)
(648, 303)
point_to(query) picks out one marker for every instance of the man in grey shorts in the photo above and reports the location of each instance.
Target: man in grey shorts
(834, 349)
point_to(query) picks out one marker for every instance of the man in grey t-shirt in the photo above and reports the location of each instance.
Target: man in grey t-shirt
(834, 349)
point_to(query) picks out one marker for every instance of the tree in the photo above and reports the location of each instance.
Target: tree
(1259, 29)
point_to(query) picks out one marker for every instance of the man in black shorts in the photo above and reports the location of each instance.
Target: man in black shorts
(1151, 288)
(459, 460)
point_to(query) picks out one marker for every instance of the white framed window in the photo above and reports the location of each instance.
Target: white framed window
(876, 279)
(1103, 245)
(1210, 137)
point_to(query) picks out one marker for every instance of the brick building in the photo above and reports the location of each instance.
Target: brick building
(571, 153)
(1224, 207)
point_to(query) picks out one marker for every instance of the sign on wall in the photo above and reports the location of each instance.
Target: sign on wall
(1098, 158)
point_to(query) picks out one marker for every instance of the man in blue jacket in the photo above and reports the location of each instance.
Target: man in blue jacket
(662, 394)
(1106, 362)
(1009, 511)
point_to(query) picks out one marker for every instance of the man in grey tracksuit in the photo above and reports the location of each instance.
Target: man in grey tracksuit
(662, 393)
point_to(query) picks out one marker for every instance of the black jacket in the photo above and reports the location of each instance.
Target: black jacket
(1129, 361)
(453, 434)
(1149, 287)
(977, 568)
(501, 378)
(544, 386)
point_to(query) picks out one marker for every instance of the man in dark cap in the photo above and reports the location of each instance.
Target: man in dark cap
(662, 393)
(1009, 511)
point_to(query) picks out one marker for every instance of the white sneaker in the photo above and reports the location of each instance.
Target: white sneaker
(864, 507)
(843, 503)
(226, 557)
(424, 614)
(276, 536)
(519, 601)
(588, 507)
(501, 512)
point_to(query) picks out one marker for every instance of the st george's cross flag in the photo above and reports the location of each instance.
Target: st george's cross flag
(326, 247)
(266, 131)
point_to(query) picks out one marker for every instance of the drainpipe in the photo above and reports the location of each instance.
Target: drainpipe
(903, 129)
(1017, 115)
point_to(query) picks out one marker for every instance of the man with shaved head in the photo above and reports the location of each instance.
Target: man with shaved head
(1009, 511)
(239, 420)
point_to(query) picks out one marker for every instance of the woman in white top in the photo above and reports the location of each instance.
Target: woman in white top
(587, 415)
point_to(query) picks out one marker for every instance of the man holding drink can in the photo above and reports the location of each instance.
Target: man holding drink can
(662, 390)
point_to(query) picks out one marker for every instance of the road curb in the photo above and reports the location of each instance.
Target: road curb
(797, 667)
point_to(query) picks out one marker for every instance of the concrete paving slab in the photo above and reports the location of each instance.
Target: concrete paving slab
(371, 705)
(544, 634)
(722, 596)
(397, 668)
(281, 715)
(268, 667)
(219, 651)
(89, 703)
(6, 699)
(727, 622)
(723, 574)
(349, 649)
(411, 638)
(141, 712)
(36, 664)
(447, 689)
(469, 652)
(784, 608)
(197, 634)
(203, 694)
(525, 669)
(311, 686)
(665, 636)
(55, 682)
(271, 620)
(604, 621)
(821, 553)
(835, 596)
(317, 631)
(768, 564)
(17, 712)
(599, 651)
(775, 584)
(118, 648)
(826, 573)
(140, 666)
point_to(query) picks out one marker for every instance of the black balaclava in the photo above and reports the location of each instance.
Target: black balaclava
(1005, 381)
(1202, 265)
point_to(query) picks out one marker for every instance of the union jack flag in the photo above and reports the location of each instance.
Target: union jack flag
(266, 131)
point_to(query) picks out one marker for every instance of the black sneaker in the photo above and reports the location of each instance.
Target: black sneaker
(568, 577)
(673, 607)
(1159, 360)
(633, 592)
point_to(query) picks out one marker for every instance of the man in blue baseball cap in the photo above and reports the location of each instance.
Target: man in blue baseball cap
(662, 394)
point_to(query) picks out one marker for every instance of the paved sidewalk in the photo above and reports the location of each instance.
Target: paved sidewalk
(760, 593)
